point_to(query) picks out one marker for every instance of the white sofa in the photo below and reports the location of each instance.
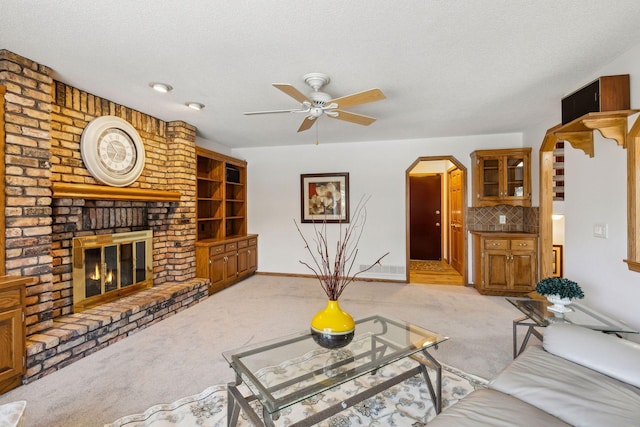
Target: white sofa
(12, 414)
(578, 377)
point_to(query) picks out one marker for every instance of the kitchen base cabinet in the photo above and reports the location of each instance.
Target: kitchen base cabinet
(505, 263)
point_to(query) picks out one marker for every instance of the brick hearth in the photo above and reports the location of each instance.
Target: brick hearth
(44, 120)
(75, 336)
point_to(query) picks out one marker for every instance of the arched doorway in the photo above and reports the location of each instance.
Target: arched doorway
(441, 229)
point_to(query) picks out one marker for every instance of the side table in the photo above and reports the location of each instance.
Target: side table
(536, 315)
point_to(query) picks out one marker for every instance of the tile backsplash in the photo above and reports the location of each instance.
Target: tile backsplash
(519, 219)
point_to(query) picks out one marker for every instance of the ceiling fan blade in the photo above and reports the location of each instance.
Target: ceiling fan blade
(252, 113)
(352, 117)
(370, 95)
(292, 92)
(307, 123)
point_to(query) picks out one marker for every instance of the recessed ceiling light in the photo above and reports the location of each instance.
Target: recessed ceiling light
(161, 87)
(195, 105)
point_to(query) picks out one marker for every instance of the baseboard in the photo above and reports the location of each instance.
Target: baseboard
(311, 276)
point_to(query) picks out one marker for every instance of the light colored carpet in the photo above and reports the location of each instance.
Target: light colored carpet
(181, 356)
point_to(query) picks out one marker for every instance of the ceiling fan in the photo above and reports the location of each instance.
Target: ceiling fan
(320, 103)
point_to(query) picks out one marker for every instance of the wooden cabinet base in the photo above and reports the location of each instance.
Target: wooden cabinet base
(226, 261)
(12, 331)
(10, 384)
(504, 263)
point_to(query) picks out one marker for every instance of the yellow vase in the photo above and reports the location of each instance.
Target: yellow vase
(332, 327)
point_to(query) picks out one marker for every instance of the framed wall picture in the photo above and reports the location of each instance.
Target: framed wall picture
(557, 261)
(324, 197)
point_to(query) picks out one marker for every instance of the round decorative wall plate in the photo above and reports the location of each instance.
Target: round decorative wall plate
(112, 151)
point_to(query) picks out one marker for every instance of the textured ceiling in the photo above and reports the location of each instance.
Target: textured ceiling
(447, 68)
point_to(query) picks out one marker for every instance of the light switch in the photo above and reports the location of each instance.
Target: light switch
(502, 219)
(601, 230)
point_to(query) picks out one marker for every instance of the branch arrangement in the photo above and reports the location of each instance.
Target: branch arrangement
(335, 274)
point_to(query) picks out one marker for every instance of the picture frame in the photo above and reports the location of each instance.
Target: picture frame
(324, 197)
(557, 261)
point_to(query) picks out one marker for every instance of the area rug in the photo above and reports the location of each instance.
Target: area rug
(421, 265)
(405, 404)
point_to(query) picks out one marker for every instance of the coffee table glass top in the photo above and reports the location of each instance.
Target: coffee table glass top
(288, 370)
(580, 315)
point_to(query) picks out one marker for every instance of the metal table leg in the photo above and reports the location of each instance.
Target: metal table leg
(235, 402)
(530, 331)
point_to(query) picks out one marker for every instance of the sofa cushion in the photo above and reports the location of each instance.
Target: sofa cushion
(12, 414)
(604, 353)
(571, 392)
(492, 408)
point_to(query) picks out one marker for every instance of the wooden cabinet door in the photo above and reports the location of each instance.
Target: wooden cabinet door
(243, 261)
(515, 185)
(218, 273)
(496, 270)
(11, 345)
(231, 267)
(253, 258)
(523, 271)
(489, 177)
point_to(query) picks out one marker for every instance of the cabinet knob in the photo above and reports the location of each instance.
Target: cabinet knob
(249, 251)
(226, 259)
(522, 244)
(210, 262)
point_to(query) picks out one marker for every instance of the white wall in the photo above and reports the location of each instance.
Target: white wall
(375, 168)
(595, 192)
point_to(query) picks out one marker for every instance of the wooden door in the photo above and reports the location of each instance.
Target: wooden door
(425, 217)
(456, 236)
(496, 270)
(523, 271)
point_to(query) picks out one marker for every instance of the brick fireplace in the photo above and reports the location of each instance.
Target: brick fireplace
(44, 120)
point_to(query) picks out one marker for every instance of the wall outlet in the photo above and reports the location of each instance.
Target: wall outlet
(502, 219)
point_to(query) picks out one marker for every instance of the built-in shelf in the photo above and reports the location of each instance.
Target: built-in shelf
(579, 133)
(63, 190)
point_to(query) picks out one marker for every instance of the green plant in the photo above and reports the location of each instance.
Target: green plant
(560, 286)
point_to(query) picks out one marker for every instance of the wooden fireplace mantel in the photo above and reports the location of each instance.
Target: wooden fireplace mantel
(62, 190)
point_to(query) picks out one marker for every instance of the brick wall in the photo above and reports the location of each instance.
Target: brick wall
(44, 124)
(28, 181)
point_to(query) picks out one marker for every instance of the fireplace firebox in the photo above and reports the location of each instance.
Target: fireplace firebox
(110, 266)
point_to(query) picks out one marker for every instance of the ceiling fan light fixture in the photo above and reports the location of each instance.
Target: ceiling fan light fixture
(161, 87)
(195, 105)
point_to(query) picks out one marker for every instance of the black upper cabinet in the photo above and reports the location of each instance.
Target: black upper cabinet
(608, 93)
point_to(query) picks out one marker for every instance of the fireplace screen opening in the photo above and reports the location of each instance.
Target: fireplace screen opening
(107, 267)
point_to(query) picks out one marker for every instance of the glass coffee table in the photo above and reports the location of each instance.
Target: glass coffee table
(288, 370)
(536, 314)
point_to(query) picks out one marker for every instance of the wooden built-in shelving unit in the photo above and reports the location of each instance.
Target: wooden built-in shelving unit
(579, 133)
(225, 253)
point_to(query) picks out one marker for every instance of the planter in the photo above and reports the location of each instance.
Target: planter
(559, 304)
(332, 327)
